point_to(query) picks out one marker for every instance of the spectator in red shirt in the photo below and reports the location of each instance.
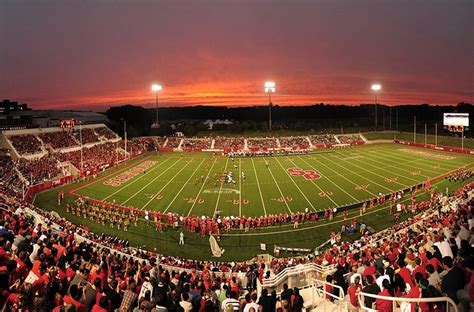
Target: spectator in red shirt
(384, 305)
(353, 292)
(329, 288)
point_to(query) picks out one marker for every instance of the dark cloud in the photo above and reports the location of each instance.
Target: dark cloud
(94, 53)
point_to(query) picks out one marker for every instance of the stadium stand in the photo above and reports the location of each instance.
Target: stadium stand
(50, 264)
(26, 144)
(158, 141)
(349, 139)
(323, 139)
(195, 143)
(173, 142)
(294, 142)
(38, 170)
(105, 132)
(261, 143)
(234, 143)
(97, 156)
(58, 139)
(10, 182)
(88, 136)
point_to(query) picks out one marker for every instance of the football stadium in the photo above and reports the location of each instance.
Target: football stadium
(236, 156)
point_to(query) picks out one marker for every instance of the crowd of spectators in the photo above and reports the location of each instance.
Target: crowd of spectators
(235, 143)
(322, 139)
(159, 141)
(58, 139)
(204, 143)
(25, 144)
(44, 264)
(261, 143)
(133, 147)
(106, 133)
(430, 255)
(140, 145)
(173, 142)
(88, 136)
(10, 182)
(49, 264)
(38, 170)
(349, 139)
(293, 142)
(93, 157)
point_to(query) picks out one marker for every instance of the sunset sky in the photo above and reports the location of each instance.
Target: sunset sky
(93, 54)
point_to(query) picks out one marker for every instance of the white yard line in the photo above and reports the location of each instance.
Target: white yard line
(452, 162)
(318, 225)
(240, 188)
(405, 162)
(167, 183)
(367, 179)
(302, 193)
(184, 185)
(319, 188)
(326, 177)
(374, 158)
(378, 168)
(220, 189)
(259, 190)
(137, 179)
(279, 189)
(202, 186)
(153, 180)
(425, 161)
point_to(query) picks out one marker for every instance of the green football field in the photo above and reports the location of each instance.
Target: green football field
(192, 184)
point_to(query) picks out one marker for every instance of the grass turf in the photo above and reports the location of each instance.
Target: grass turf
(188, 184)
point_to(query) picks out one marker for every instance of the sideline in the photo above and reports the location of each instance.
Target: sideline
(317, 225)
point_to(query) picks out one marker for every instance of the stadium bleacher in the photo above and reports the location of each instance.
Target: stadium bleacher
(58, 139)
(234, 143)
(105, 132)
(403, 255)
(88, 136)
(50, 264)
(322, 139)
(195, 143)
(26, 144)
(293, 142)
(269, 142)
(39, 170)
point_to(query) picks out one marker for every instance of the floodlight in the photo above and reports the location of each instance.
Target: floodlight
(376, 87)
(156, 87)
(270, 87)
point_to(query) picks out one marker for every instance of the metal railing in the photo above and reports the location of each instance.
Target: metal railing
(320, 287)
(298, 276)
(400, 301)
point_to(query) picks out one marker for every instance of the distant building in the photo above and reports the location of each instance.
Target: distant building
(14, 115)
(52, 118)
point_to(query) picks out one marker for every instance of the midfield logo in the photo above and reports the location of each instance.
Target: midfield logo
(307, 174)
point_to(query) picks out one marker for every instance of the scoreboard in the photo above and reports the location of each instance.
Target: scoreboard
(456, 122)
(67, 124)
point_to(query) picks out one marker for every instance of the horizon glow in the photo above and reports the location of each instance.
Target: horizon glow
(91, 55)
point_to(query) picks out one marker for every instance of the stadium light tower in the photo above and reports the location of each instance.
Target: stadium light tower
(270, 88)
(376, 87)
(156, 88)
